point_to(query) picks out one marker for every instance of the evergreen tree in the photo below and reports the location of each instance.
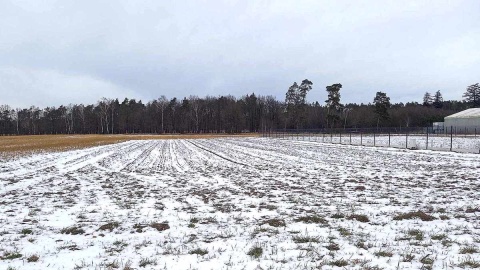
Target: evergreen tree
(438, 100)
(295, 100)
(427, 99)
(333, 103)
(382, 104)
(472, 95)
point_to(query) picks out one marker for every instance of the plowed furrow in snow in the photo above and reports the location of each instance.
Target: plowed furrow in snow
(141, 161)
(306, 204)
(216, 153)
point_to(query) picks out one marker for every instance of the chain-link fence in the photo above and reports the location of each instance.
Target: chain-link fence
(465, 140)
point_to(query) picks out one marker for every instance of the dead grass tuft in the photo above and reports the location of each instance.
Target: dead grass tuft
(198, 251)
(33, 258)
(160, 226)
(469, 262)
(360, 218)
(338, 263)
(412, 215)
(275, 222)
(72, 230)
(468, 250)
(255, 251)
(311, 219)
(109, 226)
(301, 239)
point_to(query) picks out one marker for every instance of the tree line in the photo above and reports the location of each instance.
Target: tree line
(228, 114)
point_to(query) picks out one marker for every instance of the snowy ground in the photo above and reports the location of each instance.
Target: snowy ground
(437, 142)
(245, 203)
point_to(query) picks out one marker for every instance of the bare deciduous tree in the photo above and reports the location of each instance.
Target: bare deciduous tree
(162, 103)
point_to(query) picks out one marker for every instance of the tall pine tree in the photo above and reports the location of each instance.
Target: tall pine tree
(333, 103)
(472, 95)
(438, 100)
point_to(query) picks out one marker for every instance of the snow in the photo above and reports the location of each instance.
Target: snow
(469, 113)
(437, 142)
(224, 196)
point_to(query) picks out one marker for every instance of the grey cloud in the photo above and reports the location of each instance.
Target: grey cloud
(149, 48)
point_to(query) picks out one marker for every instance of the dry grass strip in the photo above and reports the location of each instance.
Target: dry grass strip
(15, 145)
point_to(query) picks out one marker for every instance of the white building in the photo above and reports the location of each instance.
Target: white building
(467, 121)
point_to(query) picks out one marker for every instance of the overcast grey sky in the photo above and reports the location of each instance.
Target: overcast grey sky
(60, 52)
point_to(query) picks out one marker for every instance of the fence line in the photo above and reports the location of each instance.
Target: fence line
(463, 140)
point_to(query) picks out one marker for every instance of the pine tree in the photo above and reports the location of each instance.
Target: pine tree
(382, 104)
(333, 103)
(472, 95)
(427, 99)
(438, 100)
(295, 100)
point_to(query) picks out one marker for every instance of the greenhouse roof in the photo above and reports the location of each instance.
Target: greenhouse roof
(470, 113)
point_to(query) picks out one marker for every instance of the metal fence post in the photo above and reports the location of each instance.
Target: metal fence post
(451, 138)
(361, 139)
(374, 144)
(389, 139)
(406, 139)
(426, 147)
(350, 138)
(340, 137)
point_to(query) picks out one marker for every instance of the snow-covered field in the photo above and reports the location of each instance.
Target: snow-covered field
(460, 143)
(244, 203)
